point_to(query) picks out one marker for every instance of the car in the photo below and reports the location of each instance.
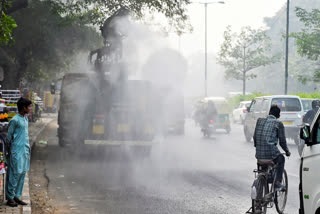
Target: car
(307, 104)
(291, 114)
(238, 114)
(309, 187)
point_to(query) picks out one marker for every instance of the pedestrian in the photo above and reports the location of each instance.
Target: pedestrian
(19, 158)
(309, 116)
(268, 132)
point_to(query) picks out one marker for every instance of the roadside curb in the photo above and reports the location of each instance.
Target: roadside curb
(26, 190)
(26, 196)
(35, 136)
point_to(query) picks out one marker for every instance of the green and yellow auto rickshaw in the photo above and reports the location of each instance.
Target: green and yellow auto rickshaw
(222, 120)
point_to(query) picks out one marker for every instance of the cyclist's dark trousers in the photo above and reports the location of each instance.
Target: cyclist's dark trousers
(280, 160)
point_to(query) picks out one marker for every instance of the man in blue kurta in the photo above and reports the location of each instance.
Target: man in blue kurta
(19, 159)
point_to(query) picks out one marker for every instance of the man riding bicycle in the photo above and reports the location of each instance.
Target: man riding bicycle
(267, 133)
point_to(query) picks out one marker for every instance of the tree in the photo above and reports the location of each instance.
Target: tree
(51, 32)
(7, 23)
(44, 45)
(308, 40)
(96, 11)
(243, 52)
(300, 78)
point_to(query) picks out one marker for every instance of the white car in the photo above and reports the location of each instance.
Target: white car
(309, 188)
(291, 114)
(239, 113)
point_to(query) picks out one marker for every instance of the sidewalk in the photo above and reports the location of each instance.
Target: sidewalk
(34, 130)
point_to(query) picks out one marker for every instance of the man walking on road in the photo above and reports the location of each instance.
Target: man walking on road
(19, 159)
(268, 132)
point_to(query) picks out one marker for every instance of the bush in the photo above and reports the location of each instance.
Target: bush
(315, 95)
(234, 101)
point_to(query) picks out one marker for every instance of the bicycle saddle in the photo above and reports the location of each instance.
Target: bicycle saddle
(265, 162)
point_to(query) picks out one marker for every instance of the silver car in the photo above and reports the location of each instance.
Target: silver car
(291, 114)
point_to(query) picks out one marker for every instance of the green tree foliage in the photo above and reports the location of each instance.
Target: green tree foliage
(52, 32)
(244, 52)
(299, 76)
(7, 24)
(234, 101)
(96, 11)
(308, 41)
(45, 44)
(315, 95)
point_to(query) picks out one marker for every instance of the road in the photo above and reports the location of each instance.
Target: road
(184, 174)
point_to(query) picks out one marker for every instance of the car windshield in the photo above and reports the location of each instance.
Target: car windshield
(287, 104)
(307, 105)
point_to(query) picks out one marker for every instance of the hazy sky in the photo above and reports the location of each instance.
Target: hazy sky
(237, 13)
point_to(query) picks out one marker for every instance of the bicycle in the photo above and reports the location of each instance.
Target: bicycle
(263, 193)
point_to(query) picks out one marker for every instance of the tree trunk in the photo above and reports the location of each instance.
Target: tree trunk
(244, 71)
(244, 83)
(10, 81)
(10, 71)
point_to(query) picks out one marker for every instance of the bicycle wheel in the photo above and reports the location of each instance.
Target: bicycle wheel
(280, 199)
(259, 205)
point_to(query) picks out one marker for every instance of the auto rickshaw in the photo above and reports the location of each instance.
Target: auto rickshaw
(222, 120)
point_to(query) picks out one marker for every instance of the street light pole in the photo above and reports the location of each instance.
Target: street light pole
(205, 52)
(287, 51)
(205, 43)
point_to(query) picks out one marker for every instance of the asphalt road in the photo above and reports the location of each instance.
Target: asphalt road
(184, 174)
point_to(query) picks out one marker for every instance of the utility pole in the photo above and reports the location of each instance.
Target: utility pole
(205, 51)
(205, 43)
(287, 51)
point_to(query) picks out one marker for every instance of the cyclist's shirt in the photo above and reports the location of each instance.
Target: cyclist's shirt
(268, 132)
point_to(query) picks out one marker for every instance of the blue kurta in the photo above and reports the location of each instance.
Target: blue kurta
(19, 161)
